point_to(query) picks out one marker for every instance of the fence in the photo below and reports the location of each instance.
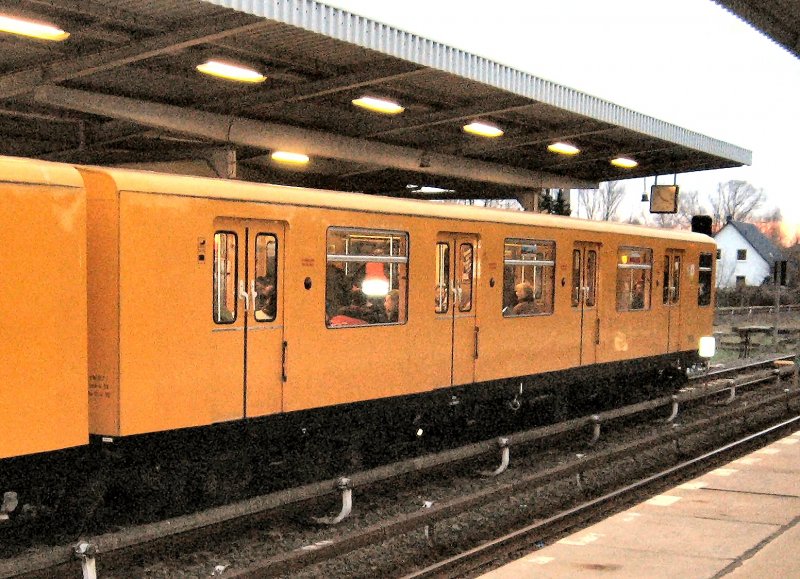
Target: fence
(750, 311)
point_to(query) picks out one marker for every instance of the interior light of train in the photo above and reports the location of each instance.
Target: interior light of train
(32, 29)
(377, 105)
(563, 149)
(624, 162)
(287, 157)
(230, 71)
(483, 129)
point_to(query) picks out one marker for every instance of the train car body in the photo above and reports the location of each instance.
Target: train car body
(43, 375)
(179, 335)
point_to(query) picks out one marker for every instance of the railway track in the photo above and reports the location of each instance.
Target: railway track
(117, 551)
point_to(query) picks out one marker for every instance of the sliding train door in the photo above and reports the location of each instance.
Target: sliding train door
(456, 260)
(673, 262)
(248, 315)
(585, 265)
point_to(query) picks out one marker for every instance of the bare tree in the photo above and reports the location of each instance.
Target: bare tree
(737, 200)
(601, 204)
(770, 225)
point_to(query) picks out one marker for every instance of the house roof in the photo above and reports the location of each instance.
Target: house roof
(760, 242)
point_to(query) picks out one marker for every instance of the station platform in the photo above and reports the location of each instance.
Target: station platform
(738, 521)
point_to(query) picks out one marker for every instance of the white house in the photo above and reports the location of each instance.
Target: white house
(745, 256)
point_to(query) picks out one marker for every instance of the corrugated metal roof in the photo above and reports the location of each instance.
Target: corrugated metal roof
(317, 59)
(354, 29)
(778, 19)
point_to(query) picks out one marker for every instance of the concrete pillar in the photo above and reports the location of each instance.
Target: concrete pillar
(530, 199)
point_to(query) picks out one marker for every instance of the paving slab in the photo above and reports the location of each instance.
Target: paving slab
(741, 520)
(560, 561)
(707, 503)
(779, 558)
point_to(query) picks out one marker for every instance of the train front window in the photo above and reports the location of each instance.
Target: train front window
(704, 279)
(634, 269)
(442, 278)
(265, 283)
(367, 277)
(225, 273)
(528, 277)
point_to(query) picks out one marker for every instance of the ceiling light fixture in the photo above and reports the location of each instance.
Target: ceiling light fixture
(230, 71)
(291, 158)
(377, 105)
(32, 29)
(483, 129)
(563, 149)
(624, 162)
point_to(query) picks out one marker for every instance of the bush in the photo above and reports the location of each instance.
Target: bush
(755, 296)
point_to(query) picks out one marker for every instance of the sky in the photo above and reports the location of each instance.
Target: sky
(687, 62)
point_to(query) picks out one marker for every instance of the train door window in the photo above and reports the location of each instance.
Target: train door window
(704, 279)
(466, 255)
(367, 275)
(442, 278)
(676, 279)
(265, 282)
(529, 268)
(225, 275)
(665, 286)
(576, 278)
(591, 278)
(634, 268)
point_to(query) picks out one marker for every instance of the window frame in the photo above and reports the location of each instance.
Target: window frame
(701, 269)
(539, 272)
(274, 238)
(348, 258)
(741, 255)
(647, 297)
(214, 285)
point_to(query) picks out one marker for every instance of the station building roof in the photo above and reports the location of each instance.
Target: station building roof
(778, 19)
(124, 89)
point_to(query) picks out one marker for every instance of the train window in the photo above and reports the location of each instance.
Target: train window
(576, 278)
(528, 277)
(367, 273)
(704, 279)
(442, 278)
(591, 278)
(225, 274)
(266, 278)
(672, 279)
(634, 268)
(466, 258)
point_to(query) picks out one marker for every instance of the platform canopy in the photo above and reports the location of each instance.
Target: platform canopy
(124, 89)
(778, 19)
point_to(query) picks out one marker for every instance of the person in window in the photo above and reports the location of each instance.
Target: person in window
(391, 304)
(359, 311)
(265, 298)
(637, 298)
(525, 302)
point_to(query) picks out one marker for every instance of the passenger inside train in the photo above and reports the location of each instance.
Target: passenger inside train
(525, 299)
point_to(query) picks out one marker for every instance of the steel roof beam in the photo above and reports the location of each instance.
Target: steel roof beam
(25, 81)
(271, 136)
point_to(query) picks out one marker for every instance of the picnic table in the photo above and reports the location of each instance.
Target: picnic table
(745, 336)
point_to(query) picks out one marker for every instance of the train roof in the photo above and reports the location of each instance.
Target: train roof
(34, 172)
(211, 188)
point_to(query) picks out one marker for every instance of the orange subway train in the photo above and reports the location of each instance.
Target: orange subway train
(139, 303)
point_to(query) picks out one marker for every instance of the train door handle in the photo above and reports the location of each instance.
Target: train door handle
(253, 293)
(243, 295)
(477, 334)
(597, 331)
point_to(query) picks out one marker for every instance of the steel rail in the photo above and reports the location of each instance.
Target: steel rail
(517, 540)
(293, 561)
(56, 556)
